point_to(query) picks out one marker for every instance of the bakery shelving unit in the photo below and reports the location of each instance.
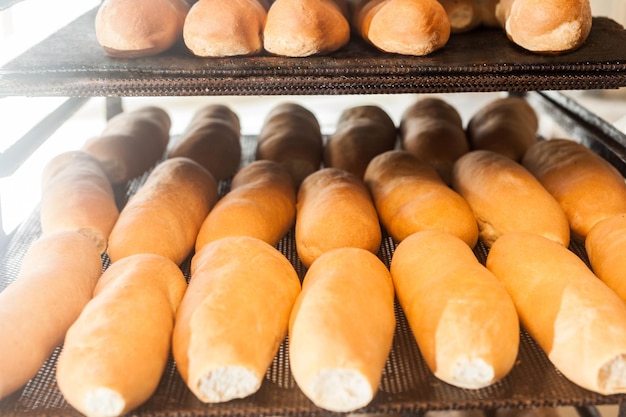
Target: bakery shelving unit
(70, 63)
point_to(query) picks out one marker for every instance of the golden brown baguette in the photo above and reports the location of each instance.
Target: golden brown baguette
(299, 28)
(587, 187)
(115, 353)
(463, 320)
(261, 203)
(217, 29)
(139, 28)
(410, 197)
(581, 324)
(131, 143)
(341, 329)
(362, 132)
(212, 138)
(291, 135)
(334, 210)
(408, 27)
(233, 317)
(38, 307)
(77, 195)
(506, 198)
(605, 246)
(166, 213)
(505, 125)
(432, 130)
(546, 26)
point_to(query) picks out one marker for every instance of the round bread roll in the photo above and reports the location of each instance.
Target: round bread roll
(605, 245)
(505, 125)
(164, 216)
(410, 197)
(506, 198)
(432, 130)
(334, 209)
(463, 320)
(299, 28)
(139, 28)
(291, 135)
(114, 354)
(464, 15)
(362, 132)
(212, 138)
(261, 203)
(581, 323)
(233, 317)
(77, 195)
(131, 143)
(217, 29)
(487, 10)
(546, 26)
(341, 329)
(588, 188)
(407, 27)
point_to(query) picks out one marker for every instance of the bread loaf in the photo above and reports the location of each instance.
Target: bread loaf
(334, 210)
(77, 195)
(432, 130)
(587, 187)
(40, 305)
(131, 143)
(464, 15)
(233, 317)
(487, 10)
(581, 324)
(299, 28)
(166, 213)
(505, 125)
(605, 245)
(410, 197)
(216, 29)
(261, 203)
(291, 135)
(506, 198)
(212, 138)
(341, 329)
(115, 353)
(546, 26)
(139, 28)
(463, 320)
(407, 27)
(362, 132)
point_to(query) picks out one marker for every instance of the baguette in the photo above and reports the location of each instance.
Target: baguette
(291, 135)
(139, 28)
(233, 318)
(46, 283)
(581, 325)
(605, 246)
(410, 197)
(505, 125)
(587, 187)
(216, 29)
(77, 195)
(261, 204)
(407, 27)
(506, 198)
(300, 28)
(212, 138)
(166, 213)
(131, 143)
(341, 329)
(115, 353)
(463, 320)
(334, 209)
(362, 132)
(432, 130)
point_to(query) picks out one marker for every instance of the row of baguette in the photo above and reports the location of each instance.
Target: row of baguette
(447, 187)
(297, 28)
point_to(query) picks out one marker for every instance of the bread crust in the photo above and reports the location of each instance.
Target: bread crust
(605, 246)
